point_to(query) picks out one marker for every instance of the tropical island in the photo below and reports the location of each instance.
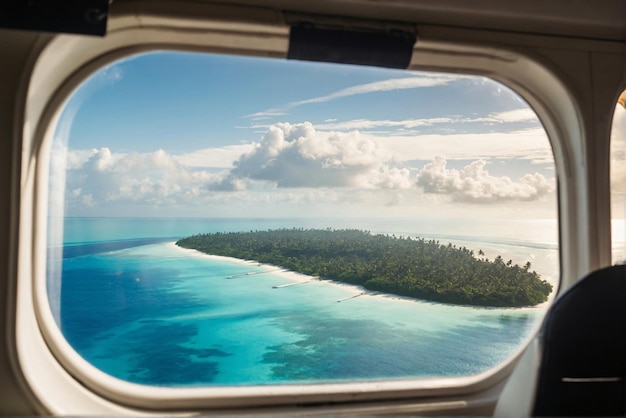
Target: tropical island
(404, 266)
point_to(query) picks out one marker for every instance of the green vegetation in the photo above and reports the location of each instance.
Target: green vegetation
(411, 267)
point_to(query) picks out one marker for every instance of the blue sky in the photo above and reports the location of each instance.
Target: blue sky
(165, 134)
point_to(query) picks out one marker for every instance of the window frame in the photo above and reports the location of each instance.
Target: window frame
(616, 258)
(65, 383)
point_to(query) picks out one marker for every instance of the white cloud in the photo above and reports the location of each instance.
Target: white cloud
(220, 157)
(406, 144)
(420, 80)
(370, 124)
(364, 124)
(474, 184)
(407, 126)
(511, 116)
(517, 115)
(76, 158)
(300, 156)
(266, 114)
(150, 178)
(384, 85)
(298, 164)
(530, 144)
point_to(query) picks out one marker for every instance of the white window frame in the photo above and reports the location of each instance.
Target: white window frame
(621, 257)
(64, 383)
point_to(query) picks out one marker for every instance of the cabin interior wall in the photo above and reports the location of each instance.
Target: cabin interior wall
(593, 75)
(608, 77)
(15, 49)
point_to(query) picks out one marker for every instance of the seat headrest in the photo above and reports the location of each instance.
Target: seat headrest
(583, 344)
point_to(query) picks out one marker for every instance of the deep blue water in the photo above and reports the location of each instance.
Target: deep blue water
(144, 310)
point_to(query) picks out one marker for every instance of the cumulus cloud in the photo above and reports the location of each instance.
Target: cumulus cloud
(295, 163)
(298, 155)
(150, 178)
(219, 157)
(473, 183)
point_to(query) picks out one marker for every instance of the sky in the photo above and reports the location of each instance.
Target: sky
(169, 134)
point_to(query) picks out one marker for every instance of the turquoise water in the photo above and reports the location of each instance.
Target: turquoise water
(141, 309)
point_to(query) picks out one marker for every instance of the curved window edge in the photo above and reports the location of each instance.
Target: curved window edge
(617, 172)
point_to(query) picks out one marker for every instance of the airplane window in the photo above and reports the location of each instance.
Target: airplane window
(222, 220)
(618, 180)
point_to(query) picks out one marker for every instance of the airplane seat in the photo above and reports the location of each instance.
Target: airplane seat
(575, 366)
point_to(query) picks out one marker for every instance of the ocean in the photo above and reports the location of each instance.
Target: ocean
(140, 308)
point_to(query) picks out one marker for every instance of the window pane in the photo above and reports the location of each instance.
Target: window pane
(618, 180)
(412, 217)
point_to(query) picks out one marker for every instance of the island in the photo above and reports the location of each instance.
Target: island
(404, 266)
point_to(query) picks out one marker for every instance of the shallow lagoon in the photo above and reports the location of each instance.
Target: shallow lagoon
(162, 315)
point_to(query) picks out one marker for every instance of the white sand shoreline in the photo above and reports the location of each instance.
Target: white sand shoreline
(293, 276)
(296, 277)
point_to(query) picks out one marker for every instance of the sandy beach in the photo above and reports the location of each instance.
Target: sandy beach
(289, 275)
